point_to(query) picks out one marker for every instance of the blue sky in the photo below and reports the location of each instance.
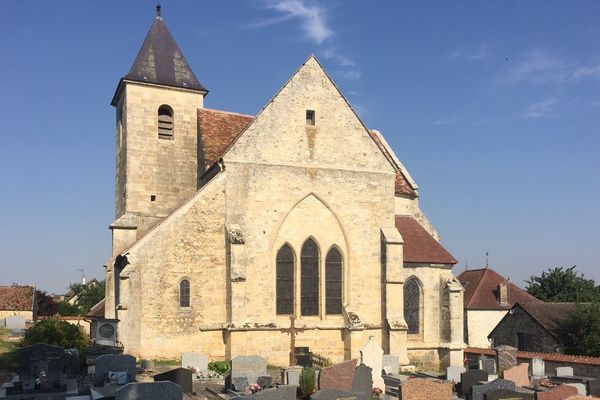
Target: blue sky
(494, 107)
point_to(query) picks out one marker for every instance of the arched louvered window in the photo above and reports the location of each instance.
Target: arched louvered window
(184, 293)
(165, 122)
(412, 305)
(333, 282)
(309, 278)
(285, 280)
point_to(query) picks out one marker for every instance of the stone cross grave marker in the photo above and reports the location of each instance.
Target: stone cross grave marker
(149, 391)
(338, 376)
(196, 361)
(292, 331)
(477, 391)
(250, 367)
(372, 357)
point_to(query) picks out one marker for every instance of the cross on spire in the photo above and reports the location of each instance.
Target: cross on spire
(158, 10)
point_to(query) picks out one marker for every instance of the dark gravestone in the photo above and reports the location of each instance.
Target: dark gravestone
(149, 391)
(284, 392)
(249, 366)
(506, 394)
(488, 365)
(338, 376)
(477, 391)
(114, 363)
(593, 387)
(363, 380)
(470, 378)
(303, 356)
(507, 357)
(239, 383)
(180, 376)
(332, 394)
(264, 382)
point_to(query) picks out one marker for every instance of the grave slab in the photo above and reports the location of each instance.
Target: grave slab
(581, 389)
(114, 363)
(333, 394)
(338, 376)
(561, 392)
(506, 394)
(425, 389)
(477, 391)
(519, 374)
(283, 392)
(180, 376)
(470, 378)
(249, 366)
(149, 391)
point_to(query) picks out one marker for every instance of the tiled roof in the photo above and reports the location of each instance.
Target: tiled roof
(419, 245)
(16, 298)
(481, 286)
(97, 311)
(218, 130)
(558, 357)
(554, 317)
(403, 187)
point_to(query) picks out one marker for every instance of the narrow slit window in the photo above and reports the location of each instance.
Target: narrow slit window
(412, 306)
(333, 282)
(165, 122)
(310, 117)
(285, 281)
(184, 293)
(309, 279)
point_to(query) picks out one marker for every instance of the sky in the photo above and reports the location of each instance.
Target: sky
(493, 107)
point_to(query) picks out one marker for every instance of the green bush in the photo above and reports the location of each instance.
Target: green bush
(308, 382)
(220, 367)
(57, 333)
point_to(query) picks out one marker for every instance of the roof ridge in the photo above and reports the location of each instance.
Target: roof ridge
(227, 112)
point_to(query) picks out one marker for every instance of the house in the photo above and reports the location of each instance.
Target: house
(487, 298)
(535, 327)
(17, 301)
(233, 231)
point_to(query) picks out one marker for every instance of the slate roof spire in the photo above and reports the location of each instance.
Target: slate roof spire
(161, 61)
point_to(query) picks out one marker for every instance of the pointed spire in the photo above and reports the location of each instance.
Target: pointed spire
(161, 61)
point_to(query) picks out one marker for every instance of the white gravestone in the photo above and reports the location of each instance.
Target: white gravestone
(372, 357)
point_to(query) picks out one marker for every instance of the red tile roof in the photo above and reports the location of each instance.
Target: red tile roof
(558, 357)
(16, 298)
(97, 311)
(419, 245)
(481, 287)
(219, 129)
(403, 187)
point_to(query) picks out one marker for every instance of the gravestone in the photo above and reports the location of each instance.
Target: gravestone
(507, 394)
(519, 374)
(372, 357)
(284, 392)
(363, 380)
(338, 376)
(264, 382)
(488, 365)
(391, 362)
(43, 362)
(507, 357)
(333, 394)
(249, 366)
(149, 391)
(196, 361)
(114, 363)
(291, 376)
(470, 378)
(564, 371)
(558, 393)
(303, 356)
(477, 391)
(593, 387)
(453, 373)
(239, 383)
(180, 376)
(425, 389)
(538, 367)
(581, 389)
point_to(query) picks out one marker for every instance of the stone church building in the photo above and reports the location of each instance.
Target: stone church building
(229, 224)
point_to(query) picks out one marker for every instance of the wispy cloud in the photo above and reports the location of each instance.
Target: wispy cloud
(463, 54)
(539, 66)
(543, 108)
(445, 121)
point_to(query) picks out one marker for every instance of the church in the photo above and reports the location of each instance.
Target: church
(232, 228)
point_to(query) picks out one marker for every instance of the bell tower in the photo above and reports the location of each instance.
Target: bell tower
(156, 106)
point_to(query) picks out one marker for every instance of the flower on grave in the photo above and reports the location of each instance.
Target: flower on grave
(377, 392)
(255, 388)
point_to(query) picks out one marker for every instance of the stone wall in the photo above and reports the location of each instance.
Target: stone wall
(479, 324)
(11, 313)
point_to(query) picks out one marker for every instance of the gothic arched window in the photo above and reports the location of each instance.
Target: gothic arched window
(309, 278)
(285, 280)
(165, 122)
(333, 282)
(184, 293)
(412, 305)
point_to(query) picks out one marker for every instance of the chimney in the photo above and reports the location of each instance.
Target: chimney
(83, 280)
(503, 294)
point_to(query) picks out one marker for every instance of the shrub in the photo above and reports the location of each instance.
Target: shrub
(308, 382)
(220, 367)
(57, 333)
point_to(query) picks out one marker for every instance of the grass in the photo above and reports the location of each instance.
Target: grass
(9, 356)
(167, 361)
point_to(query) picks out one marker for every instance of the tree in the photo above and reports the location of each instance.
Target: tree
(87, 296)
(57, 333)
(582, 336)
(563, 285)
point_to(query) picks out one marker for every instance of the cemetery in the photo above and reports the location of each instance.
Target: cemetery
(52, 372)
